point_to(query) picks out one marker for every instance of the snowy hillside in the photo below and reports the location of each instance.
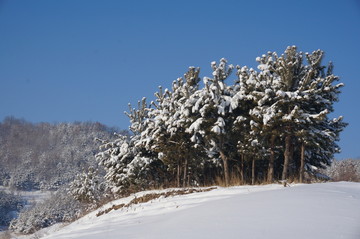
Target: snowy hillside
(329, 210)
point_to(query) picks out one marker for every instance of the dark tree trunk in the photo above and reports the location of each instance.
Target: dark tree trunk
(291, 170)
(302, 163)
(253, 172)
(178, 176)
(242, 168)
(185, 174)
(286, 157)
(226, 168)
(270, 177)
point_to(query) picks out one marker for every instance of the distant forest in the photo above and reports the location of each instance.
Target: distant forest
(45, 156)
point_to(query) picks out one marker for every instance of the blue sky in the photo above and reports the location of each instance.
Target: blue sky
(85, 60)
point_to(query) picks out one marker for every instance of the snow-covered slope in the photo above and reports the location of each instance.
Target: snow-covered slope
(329, 210)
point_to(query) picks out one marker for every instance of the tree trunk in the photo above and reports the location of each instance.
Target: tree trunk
(291, 166)
(270, 177)
(185, 174)
(286, 157)
(178, 176)
(253, 172)
(226, 168)
(302, 163)
(242, 169)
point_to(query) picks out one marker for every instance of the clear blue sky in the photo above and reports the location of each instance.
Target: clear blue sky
(85, 60)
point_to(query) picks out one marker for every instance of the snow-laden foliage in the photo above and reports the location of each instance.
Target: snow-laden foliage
(266, 124)
(127, 168)
(89, 188)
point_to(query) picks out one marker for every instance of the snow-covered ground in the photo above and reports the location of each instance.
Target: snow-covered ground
(328, 210)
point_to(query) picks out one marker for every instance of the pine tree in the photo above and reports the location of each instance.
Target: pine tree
(246, 127)
(214, 120)
(171, 140)
(297, 102)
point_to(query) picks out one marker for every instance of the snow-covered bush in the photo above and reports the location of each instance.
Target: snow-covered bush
(60, 207)
(89, 188)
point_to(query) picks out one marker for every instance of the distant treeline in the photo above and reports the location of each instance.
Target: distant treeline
(344, 170)
(44, 155)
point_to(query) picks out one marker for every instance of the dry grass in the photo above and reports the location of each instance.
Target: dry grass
(151, 196)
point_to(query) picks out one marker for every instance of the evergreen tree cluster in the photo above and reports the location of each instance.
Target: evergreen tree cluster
(267, 124)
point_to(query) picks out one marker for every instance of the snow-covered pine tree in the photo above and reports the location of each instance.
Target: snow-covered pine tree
(266, 113)
(171, 119)
(115, 157)
(250, 90)
(289, 70)
(319, 134)
(214, 120)
(297, 103)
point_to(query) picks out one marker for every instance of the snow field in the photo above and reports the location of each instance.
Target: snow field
(330, 210)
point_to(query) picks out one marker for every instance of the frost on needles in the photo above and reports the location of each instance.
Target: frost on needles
(264, 124)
